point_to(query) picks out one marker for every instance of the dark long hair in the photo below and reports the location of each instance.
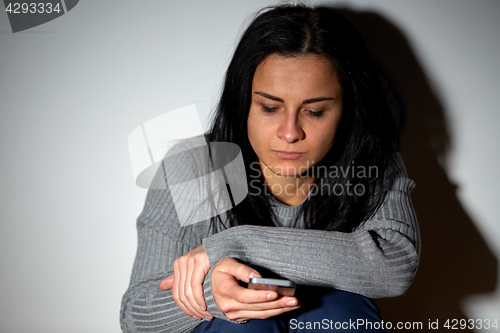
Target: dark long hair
(368, 133)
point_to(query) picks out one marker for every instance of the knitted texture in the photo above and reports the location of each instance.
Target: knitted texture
(379, 259)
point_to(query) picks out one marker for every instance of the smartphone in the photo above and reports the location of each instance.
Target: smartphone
(281, 286)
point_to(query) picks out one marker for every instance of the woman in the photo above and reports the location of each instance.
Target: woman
(328, 207)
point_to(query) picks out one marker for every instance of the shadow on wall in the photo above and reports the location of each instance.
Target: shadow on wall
(455, 263)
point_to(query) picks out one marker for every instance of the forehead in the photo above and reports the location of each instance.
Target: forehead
(301, 74)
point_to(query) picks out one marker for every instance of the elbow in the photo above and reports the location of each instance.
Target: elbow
(398, 289)
(394, 288)
(396, 266)
(398, 280)
(125, 316)
(408, 273)
(124, 326)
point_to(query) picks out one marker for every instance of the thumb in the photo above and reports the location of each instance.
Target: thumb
(166, 283)
(240, 271)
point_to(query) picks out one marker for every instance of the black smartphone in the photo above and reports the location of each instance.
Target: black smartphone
(281, 286)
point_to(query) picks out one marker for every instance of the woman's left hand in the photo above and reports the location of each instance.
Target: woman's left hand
(187, 283)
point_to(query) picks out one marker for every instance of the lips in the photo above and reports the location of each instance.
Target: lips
(287, 155)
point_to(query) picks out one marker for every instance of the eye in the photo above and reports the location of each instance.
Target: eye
(268, 109)
(317, 114)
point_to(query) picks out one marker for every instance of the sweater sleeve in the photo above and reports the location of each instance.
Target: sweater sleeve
(377, 260)
(161, 240)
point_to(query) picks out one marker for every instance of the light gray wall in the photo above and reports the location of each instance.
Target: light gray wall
(73, 89)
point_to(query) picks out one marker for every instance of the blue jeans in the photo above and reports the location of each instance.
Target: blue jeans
(322, 310)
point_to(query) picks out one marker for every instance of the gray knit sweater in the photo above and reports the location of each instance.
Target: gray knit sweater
(377, 260)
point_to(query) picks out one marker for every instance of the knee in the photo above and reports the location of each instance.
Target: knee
(335, 309)
(219, 325)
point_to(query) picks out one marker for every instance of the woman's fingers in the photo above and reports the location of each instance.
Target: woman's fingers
(238, 270)
(236, 302)
(190, 289)
(175, 289)
(187, 285)
(197, 278)
(239, 298)
(282, 303)
(254, 302)
(185, 290)
(166, 283)
(239, 303)
(249, 296)
(245, 315)
(178, 293)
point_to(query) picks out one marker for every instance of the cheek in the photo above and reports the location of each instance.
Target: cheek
(254, 135)
(251, 127)
(324, 138)
(258, 127)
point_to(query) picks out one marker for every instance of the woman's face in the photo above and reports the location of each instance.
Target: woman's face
(295, 110)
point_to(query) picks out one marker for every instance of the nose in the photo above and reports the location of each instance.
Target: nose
(290, 129)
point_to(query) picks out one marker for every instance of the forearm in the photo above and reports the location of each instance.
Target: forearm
(377, 260)
(353, 262)
(144, 305)
(161, 240)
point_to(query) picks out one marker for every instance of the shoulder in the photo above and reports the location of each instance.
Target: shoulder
(396, 212)
(396, 171)
(169, 201)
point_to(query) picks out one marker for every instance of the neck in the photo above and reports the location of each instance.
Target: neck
(290, 190)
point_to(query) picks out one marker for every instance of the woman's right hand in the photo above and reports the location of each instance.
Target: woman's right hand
(239, 303)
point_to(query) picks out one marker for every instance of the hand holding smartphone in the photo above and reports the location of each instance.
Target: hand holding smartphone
(281, 286)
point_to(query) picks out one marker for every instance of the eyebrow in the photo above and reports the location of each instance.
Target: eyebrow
(307, 101)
